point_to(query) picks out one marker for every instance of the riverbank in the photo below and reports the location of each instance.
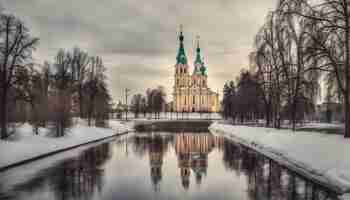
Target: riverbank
(322, 157)
(24, 146)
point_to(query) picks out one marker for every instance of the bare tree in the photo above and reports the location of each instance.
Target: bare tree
(156, 100)
(285, 66)
(80, 63)
(61, 96)
(136, 104)
(330, 36)
(270, 44)
(94, 84)
(229, 101)
(16, 46)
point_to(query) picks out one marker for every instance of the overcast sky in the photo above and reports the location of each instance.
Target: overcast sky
(138, 39)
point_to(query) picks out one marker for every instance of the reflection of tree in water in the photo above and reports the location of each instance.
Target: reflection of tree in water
(81, 177)
(268, 180)
(141, 144)
(76, 178)
(156, 146)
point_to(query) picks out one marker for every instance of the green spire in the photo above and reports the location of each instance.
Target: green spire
(198, 57)
(203, 70)
(181, 56)
(198, 61)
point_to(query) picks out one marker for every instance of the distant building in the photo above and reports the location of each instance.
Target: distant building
(191, 91)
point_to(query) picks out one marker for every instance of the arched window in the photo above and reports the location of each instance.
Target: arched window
(194, 100)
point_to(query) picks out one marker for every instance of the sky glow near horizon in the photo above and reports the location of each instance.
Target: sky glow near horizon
(138, 39)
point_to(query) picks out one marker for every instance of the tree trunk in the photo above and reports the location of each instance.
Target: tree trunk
(267, 115)
(80, 102)
(61, 128)
(91, 109)
(347, 117)
(347, 81)
(3, 114)
(294, 113)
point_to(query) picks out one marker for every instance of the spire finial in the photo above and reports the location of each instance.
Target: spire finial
(181, 37)
(197, 41)
(197, 38)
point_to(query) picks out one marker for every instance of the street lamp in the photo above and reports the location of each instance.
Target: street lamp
(126, 103)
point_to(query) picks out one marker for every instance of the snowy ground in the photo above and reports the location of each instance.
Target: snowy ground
(323, 125)
(330, 128)
(321, 156)
(25, 145)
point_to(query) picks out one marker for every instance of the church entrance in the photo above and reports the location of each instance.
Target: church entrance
(193, 110)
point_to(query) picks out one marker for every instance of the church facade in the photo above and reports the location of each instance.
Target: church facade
(191, 92)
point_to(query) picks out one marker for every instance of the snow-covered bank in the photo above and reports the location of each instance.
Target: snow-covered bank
(320, 156)
(26, 145)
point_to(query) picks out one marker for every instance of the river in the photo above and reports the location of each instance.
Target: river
(158, 165)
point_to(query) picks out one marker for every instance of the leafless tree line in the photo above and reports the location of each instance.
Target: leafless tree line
(301, 43)
(152, 102)
(242, 103)
(51, 93)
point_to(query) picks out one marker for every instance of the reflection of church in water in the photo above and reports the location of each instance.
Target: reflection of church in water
(192, 151)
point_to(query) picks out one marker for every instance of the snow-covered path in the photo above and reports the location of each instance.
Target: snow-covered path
(26, 145)
(321, 156)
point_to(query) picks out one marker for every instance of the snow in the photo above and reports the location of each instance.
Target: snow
(323, 157)
(323, 125)
(26, 145)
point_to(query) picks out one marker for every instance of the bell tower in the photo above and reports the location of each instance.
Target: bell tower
(182, 76)
(181, 67)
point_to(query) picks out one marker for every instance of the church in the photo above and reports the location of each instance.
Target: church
(191, 92)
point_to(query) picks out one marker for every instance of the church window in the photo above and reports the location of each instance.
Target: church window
(194, 100)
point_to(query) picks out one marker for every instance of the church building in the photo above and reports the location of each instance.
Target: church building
(191, 91)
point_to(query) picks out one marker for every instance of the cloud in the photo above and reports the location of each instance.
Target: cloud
(138, 39)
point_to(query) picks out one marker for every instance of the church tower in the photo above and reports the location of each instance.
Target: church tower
(182, 76)
(200, 71)
(191, 91)
(181, 67)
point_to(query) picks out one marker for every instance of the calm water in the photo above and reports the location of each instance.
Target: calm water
(158, 166)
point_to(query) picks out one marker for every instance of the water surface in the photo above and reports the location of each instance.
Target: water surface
(158, 165)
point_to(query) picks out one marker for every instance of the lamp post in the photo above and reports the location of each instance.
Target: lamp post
(126, 103)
